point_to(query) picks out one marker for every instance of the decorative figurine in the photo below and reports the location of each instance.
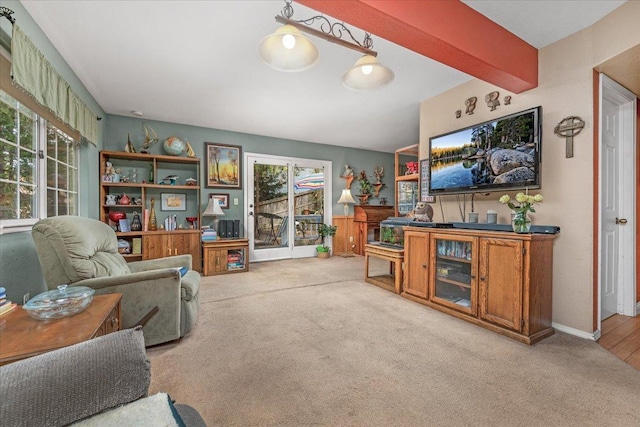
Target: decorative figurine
(492, 99)
(348, 170)
(422, 212)
(471, 105)
(136, 225)
(150, 138)
(378, 171)
(129, 148)
(189, 149)
(153, 223)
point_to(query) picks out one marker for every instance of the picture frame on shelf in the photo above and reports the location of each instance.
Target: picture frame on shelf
(223, 199)
(424, 182)
(173, 201)
(223, 165)
(124, 225)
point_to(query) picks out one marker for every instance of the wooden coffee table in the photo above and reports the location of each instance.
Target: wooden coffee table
(22, 336)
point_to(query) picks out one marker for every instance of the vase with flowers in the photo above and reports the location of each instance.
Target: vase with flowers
(520, 220)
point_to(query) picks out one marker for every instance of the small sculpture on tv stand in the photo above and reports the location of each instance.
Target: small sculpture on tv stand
(422, 212)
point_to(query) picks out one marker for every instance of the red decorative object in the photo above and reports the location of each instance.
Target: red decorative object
(412, 168)
(116, 216)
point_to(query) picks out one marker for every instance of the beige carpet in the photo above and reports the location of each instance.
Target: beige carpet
(308, 342)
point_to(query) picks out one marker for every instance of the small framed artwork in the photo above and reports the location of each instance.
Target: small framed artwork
(124, 225)
(224, 165)
(223, 199)
(424, 182)
(173, 202)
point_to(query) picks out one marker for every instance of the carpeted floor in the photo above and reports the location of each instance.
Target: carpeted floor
(308, 342)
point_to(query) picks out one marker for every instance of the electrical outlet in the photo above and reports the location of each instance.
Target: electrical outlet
(351, 239)
(25, 298)
(235, 201)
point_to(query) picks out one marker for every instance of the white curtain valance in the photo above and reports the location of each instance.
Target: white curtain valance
(33, 73)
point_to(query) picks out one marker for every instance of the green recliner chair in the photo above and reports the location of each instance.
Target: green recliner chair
(84, 252)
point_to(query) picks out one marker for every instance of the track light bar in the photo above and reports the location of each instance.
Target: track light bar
(331, 33)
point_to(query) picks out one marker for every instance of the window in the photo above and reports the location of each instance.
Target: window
(39, 172)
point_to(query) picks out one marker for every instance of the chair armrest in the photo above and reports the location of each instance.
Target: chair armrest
(108, 281)
(189, 285)
(65, 385)
(176, 261)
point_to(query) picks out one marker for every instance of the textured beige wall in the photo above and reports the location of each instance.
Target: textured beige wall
(565, 89)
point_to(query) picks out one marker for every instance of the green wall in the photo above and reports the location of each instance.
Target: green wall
(118, 128)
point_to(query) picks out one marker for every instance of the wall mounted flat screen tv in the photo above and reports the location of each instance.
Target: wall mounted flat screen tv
(498, 155)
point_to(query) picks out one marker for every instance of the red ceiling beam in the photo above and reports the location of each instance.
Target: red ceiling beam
(447, 31)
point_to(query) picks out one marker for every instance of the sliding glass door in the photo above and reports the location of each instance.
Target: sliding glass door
(286, 203)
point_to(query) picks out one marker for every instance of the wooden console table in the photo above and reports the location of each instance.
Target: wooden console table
(24, 336)
(392, 281)
(225, 256)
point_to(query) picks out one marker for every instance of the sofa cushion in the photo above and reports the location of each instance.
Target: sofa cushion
(75, 382)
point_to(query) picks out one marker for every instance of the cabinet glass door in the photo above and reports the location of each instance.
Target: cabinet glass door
(454, 273)
(407, 196)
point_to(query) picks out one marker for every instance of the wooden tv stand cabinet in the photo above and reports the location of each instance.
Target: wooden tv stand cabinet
(499, 280)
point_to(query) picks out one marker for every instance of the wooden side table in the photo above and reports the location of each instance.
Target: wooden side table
(24, 336)
(392, 281)
(225, 256)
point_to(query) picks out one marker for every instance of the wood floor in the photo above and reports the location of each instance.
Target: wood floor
(621, 336)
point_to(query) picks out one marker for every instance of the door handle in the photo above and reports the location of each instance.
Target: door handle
(621, 220)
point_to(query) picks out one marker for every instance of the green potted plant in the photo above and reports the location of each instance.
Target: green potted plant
(325, 231)
(365, 188)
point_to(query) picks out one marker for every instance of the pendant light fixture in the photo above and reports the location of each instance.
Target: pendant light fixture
(367, 74)
(287, 49)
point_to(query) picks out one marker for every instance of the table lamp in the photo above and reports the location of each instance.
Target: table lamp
(346, 198)
(214, 210)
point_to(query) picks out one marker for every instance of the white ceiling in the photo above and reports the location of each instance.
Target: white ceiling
(197, 63)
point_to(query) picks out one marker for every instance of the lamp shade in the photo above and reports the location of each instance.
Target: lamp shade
(213, 208)
(346, 197)
(367, 74)
(287, 49)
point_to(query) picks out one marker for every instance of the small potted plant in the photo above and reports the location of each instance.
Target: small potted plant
(325, 231)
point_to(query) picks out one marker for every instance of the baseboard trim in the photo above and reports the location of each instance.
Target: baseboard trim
(592, 336)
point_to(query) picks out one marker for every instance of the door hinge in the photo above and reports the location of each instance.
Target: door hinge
(522, 323)
(40, 154)
(524, 251)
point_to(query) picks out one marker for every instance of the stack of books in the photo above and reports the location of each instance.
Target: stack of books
(235, 260)
(209, 235)
(5, 305)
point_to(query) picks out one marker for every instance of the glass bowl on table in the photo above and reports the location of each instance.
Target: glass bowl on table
(62, 302)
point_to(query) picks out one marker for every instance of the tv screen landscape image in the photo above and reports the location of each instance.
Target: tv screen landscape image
(498, 155)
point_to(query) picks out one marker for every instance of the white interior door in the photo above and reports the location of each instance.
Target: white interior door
(617, 205)
(287, 200)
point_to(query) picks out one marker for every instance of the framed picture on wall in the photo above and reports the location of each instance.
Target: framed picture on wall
(223, 199)
(223, 165)
(173, 202)
(424, 182)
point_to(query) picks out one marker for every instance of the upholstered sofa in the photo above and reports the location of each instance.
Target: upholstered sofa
(84, 252)
(102, 382)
